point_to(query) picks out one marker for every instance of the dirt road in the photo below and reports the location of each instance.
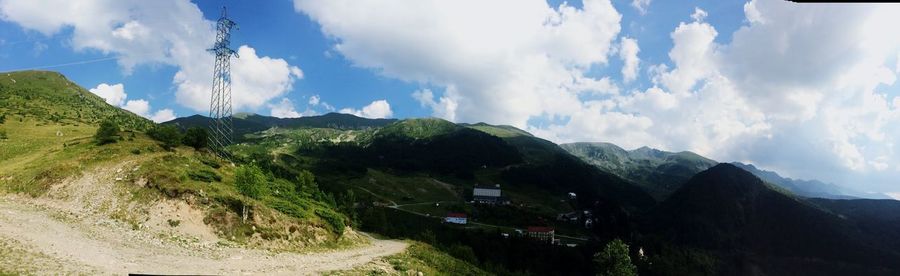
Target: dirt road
(37, 239)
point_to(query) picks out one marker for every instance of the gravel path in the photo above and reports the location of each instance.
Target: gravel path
(41, 240)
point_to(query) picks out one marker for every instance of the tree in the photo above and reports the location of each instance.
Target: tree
(195, 137)
(106, 133)
(250, 182)
(614, 260)
(167, 135)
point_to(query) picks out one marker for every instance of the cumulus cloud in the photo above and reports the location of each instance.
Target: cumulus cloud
(628, 52)
(163, 115)
(284, 109)
(532, 62)
(641, 5)
(139, 107)
(316, 101)
(375, 110)
(168, 32)
(799, 89)
(115, 95)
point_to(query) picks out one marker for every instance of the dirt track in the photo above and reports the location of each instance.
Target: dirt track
(39, 241)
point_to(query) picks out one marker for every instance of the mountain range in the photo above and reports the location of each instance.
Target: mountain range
(660, 173)
(688, 214)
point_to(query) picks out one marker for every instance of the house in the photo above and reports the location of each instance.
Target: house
(457, 218)
(487, 194)
(541, 233)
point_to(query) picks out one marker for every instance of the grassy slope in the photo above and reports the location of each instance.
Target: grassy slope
(50, 123)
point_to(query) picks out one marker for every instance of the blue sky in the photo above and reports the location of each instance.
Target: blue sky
(274, 29)
(808, 90)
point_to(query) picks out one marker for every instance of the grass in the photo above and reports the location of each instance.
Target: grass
(404, 189)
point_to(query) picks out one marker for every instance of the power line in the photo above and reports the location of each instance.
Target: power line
(61, 64)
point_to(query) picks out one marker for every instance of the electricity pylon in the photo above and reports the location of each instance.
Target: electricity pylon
(221, 129)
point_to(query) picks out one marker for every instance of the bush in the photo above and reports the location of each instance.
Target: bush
(204, 175)
(107, 133)
(3, 134)
(167, 135)
(195, 137)
(334, 220)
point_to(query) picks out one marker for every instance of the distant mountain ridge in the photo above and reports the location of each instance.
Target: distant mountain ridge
(808, 188)
(659, 172)
(246, 123)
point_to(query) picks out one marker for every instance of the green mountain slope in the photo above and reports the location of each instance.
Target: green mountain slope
(50, 97)
(658, 172)
(753, 227)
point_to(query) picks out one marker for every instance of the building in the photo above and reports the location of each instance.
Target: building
(541, 233)
(487, 194)
(457, 218)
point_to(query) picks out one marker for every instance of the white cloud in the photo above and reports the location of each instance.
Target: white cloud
(113, 94)
(284, 109)
(167, 32)
(444, 107)
(375, 110)
(699, 14)
(641, 5)
(797, 88)
(139, 107)
(316, 100)
(532, 62)
(163, 115)
(628, 52)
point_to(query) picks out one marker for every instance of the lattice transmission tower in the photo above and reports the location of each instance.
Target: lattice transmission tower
(220, 103)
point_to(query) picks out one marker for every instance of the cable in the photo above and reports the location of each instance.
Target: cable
(62, 64)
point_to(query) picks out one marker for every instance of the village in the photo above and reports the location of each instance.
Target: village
(488, 196)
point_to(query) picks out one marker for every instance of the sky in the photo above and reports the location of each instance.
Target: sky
(807, 90)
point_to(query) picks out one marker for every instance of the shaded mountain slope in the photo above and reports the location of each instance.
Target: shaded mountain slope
(753, 227)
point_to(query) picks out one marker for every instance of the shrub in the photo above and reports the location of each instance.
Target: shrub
(614, 260)
(195, 137)
(167, 135)
(334, 220)
(106, 133)
(204, 175)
